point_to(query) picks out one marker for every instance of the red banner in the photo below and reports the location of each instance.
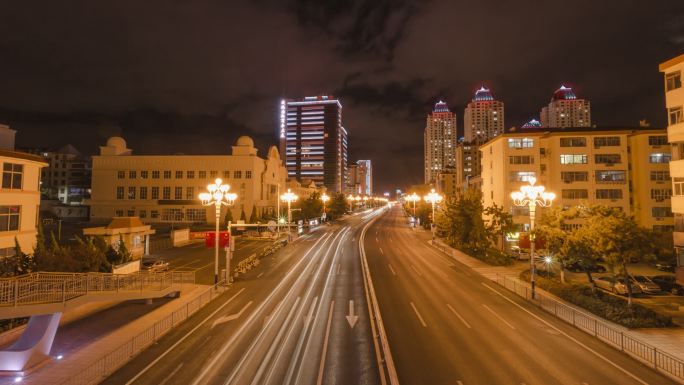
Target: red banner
(524, 242)
(210, 239)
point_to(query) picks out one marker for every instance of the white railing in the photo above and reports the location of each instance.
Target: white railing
(41, 288)
(599, 328)
(110, 362)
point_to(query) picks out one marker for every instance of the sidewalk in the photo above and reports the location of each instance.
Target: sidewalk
(669, 340)
(83, 340)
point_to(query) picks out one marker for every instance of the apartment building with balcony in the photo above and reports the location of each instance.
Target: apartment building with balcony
(674, 105)
(617, 167)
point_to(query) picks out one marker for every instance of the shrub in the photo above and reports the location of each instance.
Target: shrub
(603, 304)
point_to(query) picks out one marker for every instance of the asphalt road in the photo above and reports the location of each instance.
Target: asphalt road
(448, 325)
(300, 317)
(200, 259)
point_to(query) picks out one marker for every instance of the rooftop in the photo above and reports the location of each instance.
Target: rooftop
(563, 93)
(482, 95)
(441, 106)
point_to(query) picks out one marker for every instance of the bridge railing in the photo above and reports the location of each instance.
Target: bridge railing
(42, 287)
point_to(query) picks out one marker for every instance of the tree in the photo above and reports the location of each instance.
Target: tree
(500, 223)
(243, 217)
(228, 217)
(311, 207)
(618, 238)
(91, 256)
(25, 263)
(460, 221)
(554, 230)
(253, 215)
(337, 206)
(122, 251)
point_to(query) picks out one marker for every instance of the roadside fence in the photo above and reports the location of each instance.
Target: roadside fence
(596, 326)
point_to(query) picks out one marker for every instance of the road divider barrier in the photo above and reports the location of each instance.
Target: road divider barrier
(246, 265)
(599, 328)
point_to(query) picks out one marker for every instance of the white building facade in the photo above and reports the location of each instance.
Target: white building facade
(483, 118)
(165, 188)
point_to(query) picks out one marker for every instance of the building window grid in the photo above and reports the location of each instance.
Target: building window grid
(675, 115)
(131, 192)
(166, 193)
(574, 176)
(12, 175)
(155, 174)
(673, 81)
(179, 174)
(143, 192)
(659, 158)
(607, 158)
(119, 192)
(10, 217)
(573, 159)
(608, 194)
(155, 193)
(657, 140)
(178, 193)
(573, 142)
(661, 194)
(575, 194)
(606, 141)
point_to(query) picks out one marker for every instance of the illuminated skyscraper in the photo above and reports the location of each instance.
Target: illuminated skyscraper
(483, 118)
(313, 141)
(566, 110)
(439, 141)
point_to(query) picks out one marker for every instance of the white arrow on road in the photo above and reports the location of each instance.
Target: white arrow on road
(351, 318)
(231, 317)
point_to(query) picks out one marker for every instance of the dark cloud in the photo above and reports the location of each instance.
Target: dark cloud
(174, 76)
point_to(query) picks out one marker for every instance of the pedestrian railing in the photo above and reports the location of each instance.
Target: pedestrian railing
(42, 288)
(108, 364)
(619, 339)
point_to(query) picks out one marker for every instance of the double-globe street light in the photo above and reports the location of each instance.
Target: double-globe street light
(532, 196)
(218, 196)
(413, 198)
(433, 198)
(289, 197)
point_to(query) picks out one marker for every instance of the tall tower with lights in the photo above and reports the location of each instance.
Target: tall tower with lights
(439, 142)
(566, 110)
(313, 141)
(483, 118)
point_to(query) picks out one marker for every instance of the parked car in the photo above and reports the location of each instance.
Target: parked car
(665, 266)
(645, 284)
(517, 253)
(154, 265)
(668, 283)
(577, 267)
(615, 285)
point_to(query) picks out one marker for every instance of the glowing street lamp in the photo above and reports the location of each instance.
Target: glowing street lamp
(413, 198)
(434, 199)
(350, 198)
(218, 196)
(289, 197)
(532, 196)
(325, 198)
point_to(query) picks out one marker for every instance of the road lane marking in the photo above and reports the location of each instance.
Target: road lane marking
(416, 270)
(594, 352)
(499, 317)
(151, 364)
(170, 376)
(351, 318)
(321, 366)
(338, 268)
(376, 239)
(418, 314)
(260, 274)
(459, 383)
(391, 268)
(231, 316)
(381, 252)
(459, 316)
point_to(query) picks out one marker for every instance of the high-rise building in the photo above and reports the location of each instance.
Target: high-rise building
(313, 141)
(365, 175)
(674, 103)
(483, 118)
(439, 141)
(566, 110)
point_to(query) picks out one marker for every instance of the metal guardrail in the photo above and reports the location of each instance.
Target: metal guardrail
(103, 367)
(659, 360)
(42, 288)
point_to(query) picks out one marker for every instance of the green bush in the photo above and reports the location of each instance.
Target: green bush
(603, 304)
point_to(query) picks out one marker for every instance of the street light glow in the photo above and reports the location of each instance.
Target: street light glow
(218, 195)
(532, 196)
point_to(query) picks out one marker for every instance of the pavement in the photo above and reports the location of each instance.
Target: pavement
(448, 324)
(300, 317)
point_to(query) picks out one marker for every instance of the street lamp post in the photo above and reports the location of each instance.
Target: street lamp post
(413, 198)
(289, 197)
(532, 196)
(218, 196)
(324, 198)
(433, 198)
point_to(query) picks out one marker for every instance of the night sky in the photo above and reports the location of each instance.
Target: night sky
(190, 76)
